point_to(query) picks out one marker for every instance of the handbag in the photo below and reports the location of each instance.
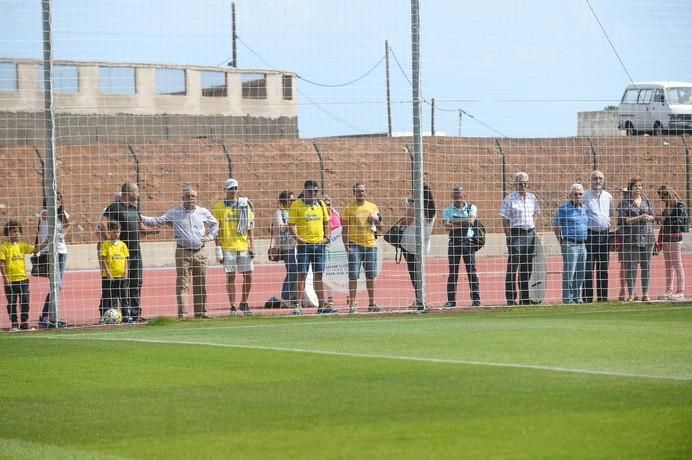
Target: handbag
(393, 235)
(39, 265)
(274, 252)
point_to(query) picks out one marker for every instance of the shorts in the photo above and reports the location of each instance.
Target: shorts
(359, 255)
(242, 260)
(310, 254)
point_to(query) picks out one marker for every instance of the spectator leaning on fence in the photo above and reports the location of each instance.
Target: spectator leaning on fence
(193, 226)
(458, 219)
(13, 270)
(571, 231)
(62, 225)
(599, 208)
(361, 221)
(518, 212)
(235, 246)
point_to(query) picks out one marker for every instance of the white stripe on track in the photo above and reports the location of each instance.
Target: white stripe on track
(387, 357)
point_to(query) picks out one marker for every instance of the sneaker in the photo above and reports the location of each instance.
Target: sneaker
(14, 328)
(353, 308)
(297, 311)
(101, 322)
(476, 303)
(245, 309)
(449, 306)
(421, 308)
(128, 320)
(678, 296)
(374, 309)
(233, 311)
(327, 311)
(667, 296)
(26, 327)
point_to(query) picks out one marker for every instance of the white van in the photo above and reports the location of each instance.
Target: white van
(656, 108)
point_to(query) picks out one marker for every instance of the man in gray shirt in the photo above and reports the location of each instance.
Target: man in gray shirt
(192, 226)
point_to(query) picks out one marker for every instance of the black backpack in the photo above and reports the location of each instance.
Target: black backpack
(683, 218)
(478, 238)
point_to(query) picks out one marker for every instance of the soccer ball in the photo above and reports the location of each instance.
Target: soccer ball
(112, 316)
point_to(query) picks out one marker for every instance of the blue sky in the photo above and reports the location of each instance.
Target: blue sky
(522, 68)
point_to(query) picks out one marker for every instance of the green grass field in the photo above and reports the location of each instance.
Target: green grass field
(607, 381)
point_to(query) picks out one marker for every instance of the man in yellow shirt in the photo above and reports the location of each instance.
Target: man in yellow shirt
(13, 269)
(235, 243)
(361, 221)
(308, 222)
(113, 258)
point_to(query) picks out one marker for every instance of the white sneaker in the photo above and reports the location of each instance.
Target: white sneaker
(297, 311)
(14, 329)
(353, 308)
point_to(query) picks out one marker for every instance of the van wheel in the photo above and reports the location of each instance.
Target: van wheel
(629, 129)
(658, 129)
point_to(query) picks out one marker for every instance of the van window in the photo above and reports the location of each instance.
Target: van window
(630, 96)
(645, 96)
(658, 95)
(680, 95)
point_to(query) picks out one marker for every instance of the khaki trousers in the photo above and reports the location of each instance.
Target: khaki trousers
(191, 265)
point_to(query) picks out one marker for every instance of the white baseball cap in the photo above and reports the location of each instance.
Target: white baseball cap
(230, 183)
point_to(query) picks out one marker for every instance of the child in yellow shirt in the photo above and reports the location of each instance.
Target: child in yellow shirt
(113, 262)
(13, 269)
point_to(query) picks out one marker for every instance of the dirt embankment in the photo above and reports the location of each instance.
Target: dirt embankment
(89, 176)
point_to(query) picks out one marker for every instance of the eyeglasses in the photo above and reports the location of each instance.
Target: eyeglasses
(232, 188)
(311, 190)
(578, 193)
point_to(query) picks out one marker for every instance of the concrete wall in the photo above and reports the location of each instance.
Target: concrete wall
(145, 115)
(598, 123)
(27, 128)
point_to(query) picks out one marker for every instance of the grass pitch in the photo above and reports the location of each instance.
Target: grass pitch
(588, 382)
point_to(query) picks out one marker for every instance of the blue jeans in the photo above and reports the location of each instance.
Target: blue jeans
(359, 255)
(573, 268)
(62, 261)
(288, 289)
(310, 254)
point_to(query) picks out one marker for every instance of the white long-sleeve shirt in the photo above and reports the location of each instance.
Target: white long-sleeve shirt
(189, 226)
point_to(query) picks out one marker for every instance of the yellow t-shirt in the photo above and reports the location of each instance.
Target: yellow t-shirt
(115, 256)
(228, 217)
(13, 256)
(356, 217)
(309, 220)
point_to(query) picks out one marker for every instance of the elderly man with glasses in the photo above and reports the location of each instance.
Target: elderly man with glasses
(571, 231)
(600, 209)
(308, 222)
(518, 211)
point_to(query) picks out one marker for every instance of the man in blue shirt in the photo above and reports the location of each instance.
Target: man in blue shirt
(458, 219)
(571, 231)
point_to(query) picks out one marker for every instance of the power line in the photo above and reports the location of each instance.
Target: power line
(338, 85)
(609, 41)
(316, 105)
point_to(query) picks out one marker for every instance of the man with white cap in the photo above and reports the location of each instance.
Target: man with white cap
(235, 243)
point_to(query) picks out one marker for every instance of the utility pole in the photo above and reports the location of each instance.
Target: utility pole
(234, 36)
(432, 118)
(389, 98)
(460, 115)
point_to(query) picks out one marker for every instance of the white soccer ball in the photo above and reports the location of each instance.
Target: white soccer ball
(112, 316)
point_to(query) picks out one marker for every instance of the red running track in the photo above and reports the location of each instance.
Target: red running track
(80, 297)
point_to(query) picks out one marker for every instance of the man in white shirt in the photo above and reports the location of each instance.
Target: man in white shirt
(518, 211)
(193, 226)
(599, 209)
